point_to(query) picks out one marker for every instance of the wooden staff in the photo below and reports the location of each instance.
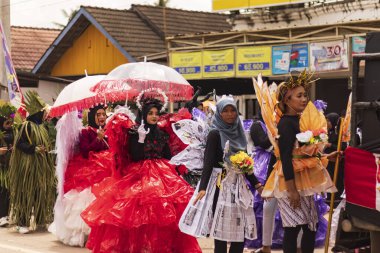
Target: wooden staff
(336, 169)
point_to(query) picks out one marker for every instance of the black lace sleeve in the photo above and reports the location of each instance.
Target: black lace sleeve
(136, 149)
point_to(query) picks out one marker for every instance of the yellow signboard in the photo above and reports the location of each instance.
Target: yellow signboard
(227, 5)
(218, 63)
(250, 61)
(188, 64)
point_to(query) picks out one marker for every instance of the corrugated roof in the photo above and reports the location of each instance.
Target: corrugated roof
(28, 44)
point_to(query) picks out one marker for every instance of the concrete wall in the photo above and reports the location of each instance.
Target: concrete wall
(47, 90)
(322, 14)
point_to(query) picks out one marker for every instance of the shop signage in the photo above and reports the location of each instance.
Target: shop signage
(189, 64)
(290, 58)
(281, 59)
(218, 63)
(327, 56)
(251, 61)
(227, 5)
(358, 45)
(299, 57)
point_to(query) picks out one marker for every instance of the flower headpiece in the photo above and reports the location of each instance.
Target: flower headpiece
(159, 91)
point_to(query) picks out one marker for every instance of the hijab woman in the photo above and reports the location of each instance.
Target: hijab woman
(89, 166)
(229, 203)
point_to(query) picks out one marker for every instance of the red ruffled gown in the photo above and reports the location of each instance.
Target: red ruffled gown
(140, 211)
(91, 165)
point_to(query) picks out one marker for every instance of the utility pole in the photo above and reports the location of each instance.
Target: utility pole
(5, 19)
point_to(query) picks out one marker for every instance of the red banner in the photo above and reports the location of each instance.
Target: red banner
(362, 178)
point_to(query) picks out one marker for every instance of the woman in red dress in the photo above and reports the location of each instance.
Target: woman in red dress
(140, 211)
(89, 166)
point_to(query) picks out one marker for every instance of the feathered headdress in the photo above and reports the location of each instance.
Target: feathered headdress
(33, 102)
(304, 79)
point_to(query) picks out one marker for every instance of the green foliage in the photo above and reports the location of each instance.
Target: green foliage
(32, 178)
(33, 102)
(18, 120)
(69, 15)
(6, 109)
(162, 3)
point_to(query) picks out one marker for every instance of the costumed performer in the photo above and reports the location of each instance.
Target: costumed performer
(300, 171)
(193, 133)
(269, 223)
(140, 211)
(7, 113)
(89, 166)
(31, 173)
(223, 210)
(265, 211)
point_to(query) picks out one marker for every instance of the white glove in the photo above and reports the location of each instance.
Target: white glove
(142, 132)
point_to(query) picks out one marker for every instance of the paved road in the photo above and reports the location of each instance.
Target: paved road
(44, 242)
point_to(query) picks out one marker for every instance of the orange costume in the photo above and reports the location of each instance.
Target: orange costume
(310, 174)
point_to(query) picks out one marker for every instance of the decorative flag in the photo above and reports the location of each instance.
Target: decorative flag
(346, 134)
(15, 96)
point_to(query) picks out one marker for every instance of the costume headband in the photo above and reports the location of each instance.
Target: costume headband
(159, 91)
(304, 79)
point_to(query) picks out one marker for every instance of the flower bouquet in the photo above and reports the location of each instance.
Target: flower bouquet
(242, 162)
(313, 141)
(312, 137)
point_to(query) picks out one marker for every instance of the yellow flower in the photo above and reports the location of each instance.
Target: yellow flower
(242, 161)
(233, 159)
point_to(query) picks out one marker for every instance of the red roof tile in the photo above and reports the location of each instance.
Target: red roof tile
(28, 44)
(183, 21)
(135, 36)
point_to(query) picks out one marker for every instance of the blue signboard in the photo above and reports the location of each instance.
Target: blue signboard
(280, 59)
(299, 57)
(358, 45)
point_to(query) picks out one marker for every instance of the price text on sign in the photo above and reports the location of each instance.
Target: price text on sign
(253, 66)
(219, 68)
(333, 50)
(188, 70)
